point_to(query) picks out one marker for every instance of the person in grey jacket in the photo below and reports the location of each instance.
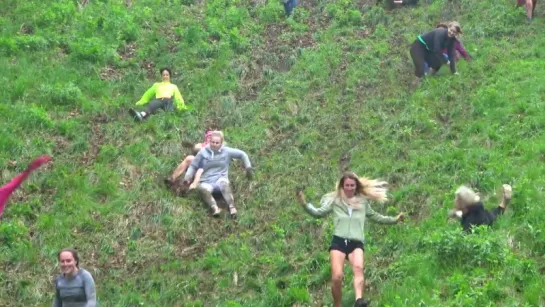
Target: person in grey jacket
(215, 160)
(75, 287)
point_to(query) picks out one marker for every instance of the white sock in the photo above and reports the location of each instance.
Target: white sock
(143, 113)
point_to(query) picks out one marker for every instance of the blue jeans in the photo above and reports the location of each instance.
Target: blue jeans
(426, 66)
(289, 6)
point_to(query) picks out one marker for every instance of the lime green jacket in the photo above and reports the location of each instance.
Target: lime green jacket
(348, 222)
(163, 90)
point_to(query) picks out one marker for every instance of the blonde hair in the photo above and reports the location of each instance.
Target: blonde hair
(216, 133)
(465, 197)
(373, 189)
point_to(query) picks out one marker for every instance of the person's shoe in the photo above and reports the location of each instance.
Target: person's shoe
(215, 211)
(507, 192)
(169, 182)
(135, 114)
(233, 212)
(528, 20)
(360, 303)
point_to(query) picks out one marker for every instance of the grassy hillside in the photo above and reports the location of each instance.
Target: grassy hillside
(305, 97)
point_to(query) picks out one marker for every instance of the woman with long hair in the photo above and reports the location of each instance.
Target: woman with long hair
(350, 205)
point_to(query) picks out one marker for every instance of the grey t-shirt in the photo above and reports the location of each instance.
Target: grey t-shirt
(76, 292)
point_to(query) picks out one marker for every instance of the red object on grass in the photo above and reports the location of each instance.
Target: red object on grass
(7, 190)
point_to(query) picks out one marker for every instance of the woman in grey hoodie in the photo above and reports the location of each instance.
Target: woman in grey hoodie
(215, 160)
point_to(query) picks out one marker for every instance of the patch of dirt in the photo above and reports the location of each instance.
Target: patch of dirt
(60, 144)
(109, 73)
(96, 139)
(149, 67)
(127, 52)
(26, 29)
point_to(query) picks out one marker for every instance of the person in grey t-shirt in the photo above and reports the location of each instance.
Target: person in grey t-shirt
(75, 287)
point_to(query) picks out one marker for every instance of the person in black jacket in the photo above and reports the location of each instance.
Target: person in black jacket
(469, 208)
(428, 48)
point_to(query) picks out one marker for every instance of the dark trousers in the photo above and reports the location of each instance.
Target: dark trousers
(289, 6)
(156, 104)
(421, 55)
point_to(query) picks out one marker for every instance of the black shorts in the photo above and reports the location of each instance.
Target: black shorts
(345, 246)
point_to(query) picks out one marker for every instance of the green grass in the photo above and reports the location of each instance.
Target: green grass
(297, 95)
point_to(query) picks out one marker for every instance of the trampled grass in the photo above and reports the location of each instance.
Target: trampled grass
(305, 98)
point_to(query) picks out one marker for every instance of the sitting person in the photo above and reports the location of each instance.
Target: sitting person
(216, 159)
(469, 208)
(167, 96)
(184, 165)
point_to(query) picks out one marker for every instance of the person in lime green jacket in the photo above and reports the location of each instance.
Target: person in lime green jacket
(350, 205)
(167, 97)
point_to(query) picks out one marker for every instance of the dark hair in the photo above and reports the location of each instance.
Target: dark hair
(72, 251)
(167, 69)
(350, 175)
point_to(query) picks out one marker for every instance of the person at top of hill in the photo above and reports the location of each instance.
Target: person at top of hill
(75, 287)
(350, 205)
(458, 48)
(165, 96)
(469, 208)
(8, 189)
(428, 48)
(184, 165)
(530, 8)
(215, 159)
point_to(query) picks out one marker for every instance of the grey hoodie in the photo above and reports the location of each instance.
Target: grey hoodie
(215, 164)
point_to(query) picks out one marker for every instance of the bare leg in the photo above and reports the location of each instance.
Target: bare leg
(356, 260)
(197, 179)
(337, 264)
(529, 9)
(182, 167)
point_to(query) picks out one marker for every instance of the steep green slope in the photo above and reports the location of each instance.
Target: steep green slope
(298, 95)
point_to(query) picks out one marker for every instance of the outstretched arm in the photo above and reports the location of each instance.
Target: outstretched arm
(460, 48)
(179, 100)
(379, 218)
(241, 155)
(149, 94)
(326, 205)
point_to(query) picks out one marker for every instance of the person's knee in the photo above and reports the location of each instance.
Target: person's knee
(357, 268)
(337, 277)
(189, 158)
(204, 189)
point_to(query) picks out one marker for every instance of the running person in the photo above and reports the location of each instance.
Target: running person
(350, 205)
(75, 287)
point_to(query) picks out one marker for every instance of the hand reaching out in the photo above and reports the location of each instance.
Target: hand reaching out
(301, 198)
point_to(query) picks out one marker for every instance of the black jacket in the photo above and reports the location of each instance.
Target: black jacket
(477, 215)
(437, 40)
